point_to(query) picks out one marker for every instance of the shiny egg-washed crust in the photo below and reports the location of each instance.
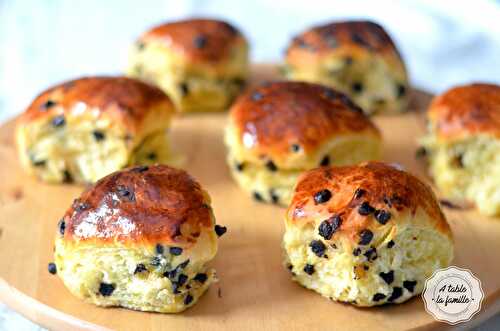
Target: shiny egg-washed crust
(277, 115)
(353, 35)
(201, 40)
(384, 186)
(466, 110)
(126, 100)
(161, 202)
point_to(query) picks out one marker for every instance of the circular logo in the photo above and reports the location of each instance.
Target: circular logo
(453, 295)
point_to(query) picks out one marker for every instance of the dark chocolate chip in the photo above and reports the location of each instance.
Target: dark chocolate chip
(359, 193)
(152, 156)
(140, 268)
(365, 236)
(256, 96)
(39, 163)
(458, 160)
(378, 296)
(200, 41)
(47, 104)
(396, 293)
(365, 209)
(318, 247)
(356, 251)
(421, 152)
(170, 274)
(220, 230)
(58, 121)
(325, 161)
(357, 87)
(67, 178)
(388, 277)
(371, 254)
(106, 289)
(156, 261)
(322, 196)
(271, 166)
(61, 225)
(184, 89)
(239, 166)
(390, 244)
(401, 90)
(175, 288)
(295, 148)
(309, 269)
(410, 285)
(382, 216)
(52, 268)
(201, 278)
(188, 299)
(98, 135)
(182, 280)
(125, 192)
(159, 249)
(274, 197)
(257, 196)
(328, 227)
(183, 265)
(140, 46)
(175, 250)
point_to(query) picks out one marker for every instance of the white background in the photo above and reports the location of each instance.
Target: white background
(45, 42)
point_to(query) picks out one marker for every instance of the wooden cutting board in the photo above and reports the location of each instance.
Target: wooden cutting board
(255, 292)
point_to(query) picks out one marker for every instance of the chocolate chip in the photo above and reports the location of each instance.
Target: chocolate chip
(378, 296)
(140, 46)
(200, 41)
(52, 268)
(183, 265)
(322, 196)
(390, 244)
(371, 254)
(184, 88)
(388, 277)
(348, 61)
(357, 87)
(58, 121)
(124, 192)
(159, 249)
(401, 90)
(239, 166)
(382, 216)
(274, 197)
(67, 178)
(156, 261)
(328, 227)
(182, 280)
(421, 152)
(257, 196)
(458, 160)
(295, 148)
(175, 250)
(318, 247)
(188, 299)
(271, 166)
(325, 161)
(365, 209)
(256, 96)
(309, 269)
(175, 288)
(140, 169)
(358, 39)
(359, 193)
(140, 268)
(356, 251)
(365, 236)
(39, 163)
(396, 293)
(98, 135)
(106, 289)
(201, 278)
(47, 104)
(220, 230)
(409, 285)
(61, 225)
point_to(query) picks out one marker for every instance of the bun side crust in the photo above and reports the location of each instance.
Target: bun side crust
(466, 110)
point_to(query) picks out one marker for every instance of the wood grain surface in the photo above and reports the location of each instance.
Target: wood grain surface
(254, 292)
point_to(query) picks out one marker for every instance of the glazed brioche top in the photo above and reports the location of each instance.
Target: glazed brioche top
(274, 117)
(204, 40)
(466, 110)
(125, 99)
(362, 196)
(321, 40)
(140, 205)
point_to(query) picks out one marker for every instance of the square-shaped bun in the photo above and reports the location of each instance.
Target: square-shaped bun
(201, 64)
(463, 145)
(82, 130)
(355, 57)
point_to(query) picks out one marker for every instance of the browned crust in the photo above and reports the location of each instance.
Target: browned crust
(126, 99)
(161, 202)
(465, 110)
(385, 188)
(278, 115)
(205, 40)
(329, 37)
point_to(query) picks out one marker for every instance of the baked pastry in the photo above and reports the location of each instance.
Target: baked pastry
(201, 64)
(280, 129)
(463, 145)
(139, 238)
(355, 57)
(84, 129)
(368, 234)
